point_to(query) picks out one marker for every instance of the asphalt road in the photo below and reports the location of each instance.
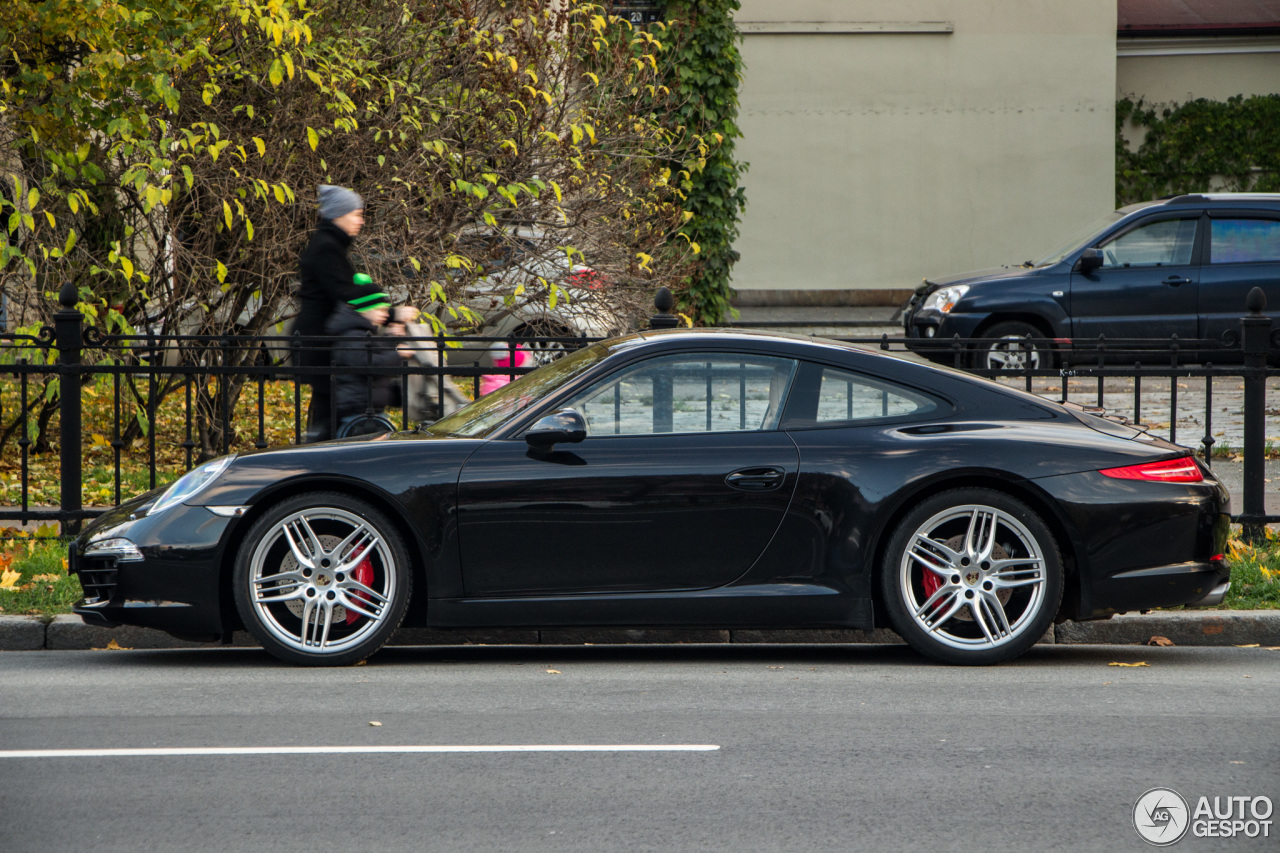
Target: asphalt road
(819, 748)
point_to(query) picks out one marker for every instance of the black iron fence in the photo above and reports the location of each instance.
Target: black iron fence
(164, 403)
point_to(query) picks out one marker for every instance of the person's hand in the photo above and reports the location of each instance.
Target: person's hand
(404, 351)
(395, 329)
(406, 314)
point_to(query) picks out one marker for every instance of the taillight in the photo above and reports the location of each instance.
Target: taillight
(587, 278)
(1183, 470)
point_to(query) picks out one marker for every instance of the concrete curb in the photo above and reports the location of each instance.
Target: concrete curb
(1183, 628)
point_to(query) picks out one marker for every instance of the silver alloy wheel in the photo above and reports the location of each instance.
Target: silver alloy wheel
(544, 352)
(303, 585)
(1011, 352)
(981, 592)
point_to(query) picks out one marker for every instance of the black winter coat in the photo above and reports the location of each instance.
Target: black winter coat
(327, 281)
(358, 347)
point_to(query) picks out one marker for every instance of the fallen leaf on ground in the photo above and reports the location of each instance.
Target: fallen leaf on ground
(1247, 645)
(1273, 648)
(113, 646)
(9, 579)
(1158, 640)
(1105, 683)
(554, 671)
(1139, 663)
(46, 578)
(374, 723)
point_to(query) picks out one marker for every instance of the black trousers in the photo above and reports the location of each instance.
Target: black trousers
(320, 409)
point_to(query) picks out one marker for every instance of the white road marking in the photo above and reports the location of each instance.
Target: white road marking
(155, 752)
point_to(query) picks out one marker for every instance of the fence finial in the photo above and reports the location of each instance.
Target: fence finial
(1256, 301)
(664, 319)
(68, 295)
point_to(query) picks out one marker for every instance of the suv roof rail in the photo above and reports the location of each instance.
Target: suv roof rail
(1186, 198)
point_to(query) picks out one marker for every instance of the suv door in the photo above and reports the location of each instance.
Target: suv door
(1243, 252)
(1147, 284)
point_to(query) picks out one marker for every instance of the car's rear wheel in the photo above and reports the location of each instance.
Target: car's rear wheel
(972, 576)
(322, 579)
(1006, 346)
(530, 335)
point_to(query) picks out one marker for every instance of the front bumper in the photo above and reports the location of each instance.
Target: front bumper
(175, 587)
(933, 334)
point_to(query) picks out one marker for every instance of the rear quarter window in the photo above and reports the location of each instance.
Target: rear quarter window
(825, 396)
(1244, 241)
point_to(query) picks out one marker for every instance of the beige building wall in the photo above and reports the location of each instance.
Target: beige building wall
(894, 139)
(1173, 71)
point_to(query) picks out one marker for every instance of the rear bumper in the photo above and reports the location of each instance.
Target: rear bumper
(1142, 545)
(1194, 584)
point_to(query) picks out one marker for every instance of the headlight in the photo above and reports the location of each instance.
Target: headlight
(122, 549)
(190, 483)
(945, 299)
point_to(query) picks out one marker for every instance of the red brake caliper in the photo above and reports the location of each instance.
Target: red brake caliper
(364, 575)
(931, 582)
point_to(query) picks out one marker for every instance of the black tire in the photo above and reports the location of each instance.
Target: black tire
(993, 589)
(367, 425)
(1005, 349)
(338, 579)
(544, 352)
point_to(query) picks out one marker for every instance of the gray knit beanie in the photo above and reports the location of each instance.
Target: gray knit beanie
(337, 201)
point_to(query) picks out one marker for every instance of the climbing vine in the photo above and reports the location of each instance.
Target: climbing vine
(1198, 146)
(705, 75)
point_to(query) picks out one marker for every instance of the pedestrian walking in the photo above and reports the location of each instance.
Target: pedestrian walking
(327, 281)
(365, 334)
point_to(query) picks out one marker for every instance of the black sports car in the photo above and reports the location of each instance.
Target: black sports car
(708, 478)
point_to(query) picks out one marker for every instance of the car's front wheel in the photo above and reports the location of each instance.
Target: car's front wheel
(972, 576)
(1007, 346)
(322, 579)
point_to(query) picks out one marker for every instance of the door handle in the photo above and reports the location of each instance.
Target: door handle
(1175, 280)
(755, 479)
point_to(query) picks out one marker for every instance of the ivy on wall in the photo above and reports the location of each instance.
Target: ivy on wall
(707, 72)
(1198, 146)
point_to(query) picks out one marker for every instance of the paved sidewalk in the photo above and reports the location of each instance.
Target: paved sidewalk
(1182, 628)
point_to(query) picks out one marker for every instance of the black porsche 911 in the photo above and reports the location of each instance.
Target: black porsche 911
(680, 478)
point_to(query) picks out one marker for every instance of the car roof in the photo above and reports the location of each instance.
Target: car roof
(742, 336)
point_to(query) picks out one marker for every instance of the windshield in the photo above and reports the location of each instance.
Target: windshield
(1078, 238)
(492, 410)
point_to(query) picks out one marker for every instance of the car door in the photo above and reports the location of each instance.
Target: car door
(680, 484)
(1147, 284)
(1243, 253)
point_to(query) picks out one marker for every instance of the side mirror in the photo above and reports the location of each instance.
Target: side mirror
(1090, 260)
(564, 427)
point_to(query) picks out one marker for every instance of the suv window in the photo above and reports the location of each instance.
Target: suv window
(1166, 242)
(713, 392)
(1244, 241)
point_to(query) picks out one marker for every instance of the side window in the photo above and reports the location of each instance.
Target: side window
(685, 393)
(1244, 241)
(1168, 242)
(827, 396)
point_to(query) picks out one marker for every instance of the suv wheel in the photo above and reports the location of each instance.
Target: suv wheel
(1006, 347)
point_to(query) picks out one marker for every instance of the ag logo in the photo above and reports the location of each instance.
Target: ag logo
(1161, 817)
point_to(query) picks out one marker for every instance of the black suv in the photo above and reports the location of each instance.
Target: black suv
(1178, 266)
